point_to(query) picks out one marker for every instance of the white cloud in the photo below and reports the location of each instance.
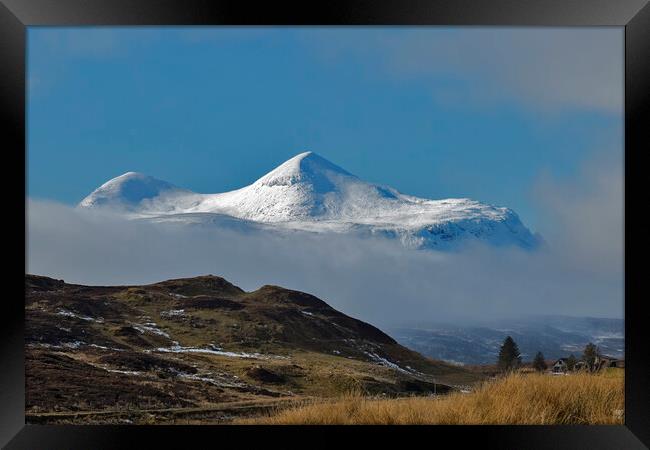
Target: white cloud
(586, 214)
(579, 273)
(546, 69)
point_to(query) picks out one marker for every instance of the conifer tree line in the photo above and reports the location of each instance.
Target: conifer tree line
(509, 358)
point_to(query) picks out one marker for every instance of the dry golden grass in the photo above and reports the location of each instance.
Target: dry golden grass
(516, 399)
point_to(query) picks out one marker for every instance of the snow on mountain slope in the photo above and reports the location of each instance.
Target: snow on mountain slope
(311, 194)
(133, 191)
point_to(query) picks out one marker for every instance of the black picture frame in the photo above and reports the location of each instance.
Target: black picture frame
(634, 15)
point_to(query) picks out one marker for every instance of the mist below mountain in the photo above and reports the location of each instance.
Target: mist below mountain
(479, 342)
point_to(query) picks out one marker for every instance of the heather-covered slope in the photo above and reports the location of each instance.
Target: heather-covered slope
(202, 346)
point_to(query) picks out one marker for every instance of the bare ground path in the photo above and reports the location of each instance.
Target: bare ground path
(217, 413)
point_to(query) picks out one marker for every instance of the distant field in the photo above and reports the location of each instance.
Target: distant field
(517, 399)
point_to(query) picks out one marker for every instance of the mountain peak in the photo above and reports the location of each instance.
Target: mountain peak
(307, 192)
(306, 167)
(128, 189)
(131, 175)
(304, 155)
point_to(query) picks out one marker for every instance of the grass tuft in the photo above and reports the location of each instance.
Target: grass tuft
(516, 399)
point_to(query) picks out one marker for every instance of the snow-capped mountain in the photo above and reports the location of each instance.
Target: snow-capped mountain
(309, 193)
(130, 192)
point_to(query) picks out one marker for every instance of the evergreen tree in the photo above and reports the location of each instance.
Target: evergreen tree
(539, 364)
(509, 356)
(590, 354)
(571, 362)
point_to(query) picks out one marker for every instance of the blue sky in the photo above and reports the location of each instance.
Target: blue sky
(433, 112)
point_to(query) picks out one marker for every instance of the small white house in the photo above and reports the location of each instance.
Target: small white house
(560, 366)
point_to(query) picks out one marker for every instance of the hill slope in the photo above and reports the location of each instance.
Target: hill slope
(95, 354)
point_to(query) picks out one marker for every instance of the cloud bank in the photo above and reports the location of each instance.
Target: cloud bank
(579, 272)
(545, 69)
